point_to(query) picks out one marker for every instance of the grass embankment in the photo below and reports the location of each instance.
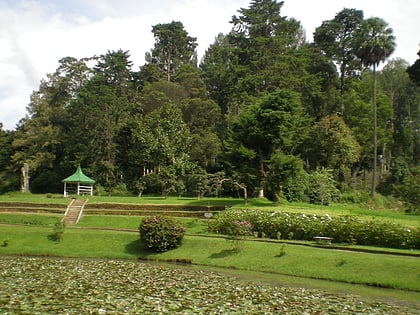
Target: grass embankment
(152, 200)
(356, 210)
(382, 270)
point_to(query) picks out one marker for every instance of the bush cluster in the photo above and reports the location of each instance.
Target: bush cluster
(344, 229)
(160, 233)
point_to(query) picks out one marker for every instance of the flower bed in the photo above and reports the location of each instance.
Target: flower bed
(343, 229)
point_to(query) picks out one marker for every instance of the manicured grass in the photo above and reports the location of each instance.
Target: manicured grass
(303, 261)
(59, 199)
(383, 270)
(75, 242)
(193, 225)
(33, 198)
(30, 219)
(270, 260)
(356, 210)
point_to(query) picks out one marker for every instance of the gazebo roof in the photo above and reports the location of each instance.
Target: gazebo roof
(78, 177)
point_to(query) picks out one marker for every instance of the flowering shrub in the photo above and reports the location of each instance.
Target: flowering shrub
(343, 229)
(237, 231)
(161, 233)
(240, 228)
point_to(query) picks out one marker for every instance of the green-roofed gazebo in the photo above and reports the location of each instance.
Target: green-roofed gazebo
(78, 183)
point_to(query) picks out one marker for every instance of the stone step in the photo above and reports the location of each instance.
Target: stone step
(74, 209)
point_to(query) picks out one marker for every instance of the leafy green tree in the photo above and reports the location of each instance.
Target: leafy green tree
(99, 114)
(276, 122)
(409, 191)
(173, 48)
(287, 178)
(322, 186)
(189, 77)
(359, 120)
(267, 48)
(218, 73)
(375, 43)
(9, 178)
(200, 182)
(160, 93)
(167, 179)
(414, 71)
(263, 52)
(394, 80)
(160, 139)
(41, 139)
(323, 100)
(335, 146)
(335, 38)
(203, 118)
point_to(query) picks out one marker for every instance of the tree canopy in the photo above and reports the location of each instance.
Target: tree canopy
(264, 111)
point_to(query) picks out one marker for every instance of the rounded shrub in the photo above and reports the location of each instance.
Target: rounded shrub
(160, 233)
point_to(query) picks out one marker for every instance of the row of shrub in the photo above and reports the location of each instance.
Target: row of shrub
(343, 229)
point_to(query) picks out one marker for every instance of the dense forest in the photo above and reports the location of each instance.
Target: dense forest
(264, 113)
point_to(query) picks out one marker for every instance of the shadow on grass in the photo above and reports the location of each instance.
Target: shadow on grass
(225, 253)
(136, 248)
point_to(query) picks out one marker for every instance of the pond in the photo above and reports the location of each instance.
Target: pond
(89, 286)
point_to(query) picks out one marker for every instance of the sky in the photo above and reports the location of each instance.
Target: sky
(36, 34)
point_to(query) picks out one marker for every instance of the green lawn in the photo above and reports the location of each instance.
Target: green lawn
(153, 200)
(30, 219)
(333, 209)
(374, 269)
(294, 263)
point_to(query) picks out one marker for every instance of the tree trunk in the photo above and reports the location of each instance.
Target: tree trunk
(342, 82)
(263, 174)
(375, 141)
(24, 182)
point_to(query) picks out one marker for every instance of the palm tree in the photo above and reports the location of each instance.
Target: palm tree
(374, 43)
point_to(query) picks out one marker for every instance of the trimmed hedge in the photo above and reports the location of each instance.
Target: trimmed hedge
(160, 233)
(343, 229)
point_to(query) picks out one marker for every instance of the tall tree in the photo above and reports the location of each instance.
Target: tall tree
(203, 118)
(414, 71)
(217, 72)
(322, 101)
(160, 139)
(41, 140)
(173, 47)
(394, 80)
(9, 178)
(263, 52)
(276, 122)
(335, 146)
(99, 114)
(336, 38)
(157, 94)
(267, 48)
(375, 42)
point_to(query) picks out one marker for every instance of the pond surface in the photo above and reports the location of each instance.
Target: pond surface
(83, 286)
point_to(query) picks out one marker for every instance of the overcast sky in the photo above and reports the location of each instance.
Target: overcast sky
(35, 34)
